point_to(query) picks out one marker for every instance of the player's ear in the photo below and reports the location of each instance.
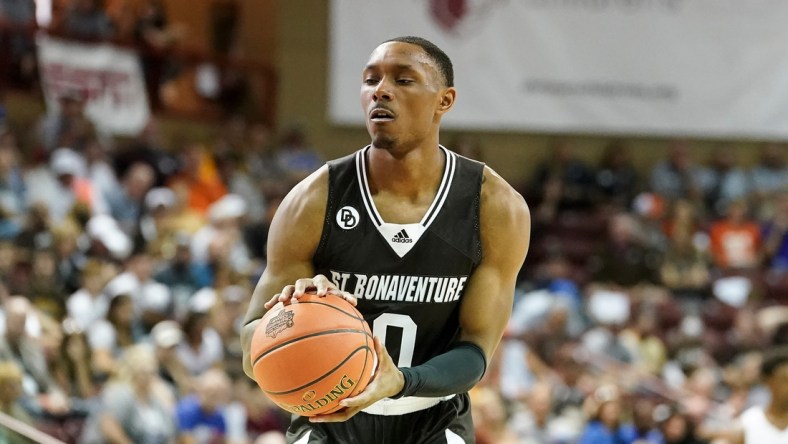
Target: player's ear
(447, 100)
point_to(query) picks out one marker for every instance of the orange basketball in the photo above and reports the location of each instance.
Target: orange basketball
(309, 355)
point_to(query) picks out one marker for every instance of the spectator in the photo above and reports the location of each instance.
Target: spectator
(261, 415)
(17, 50)
(99, 169)
(64, 186)
(261, 160)
(66, 125)
(69, 260)
(202, 346)
(105, 239)
(686, 217)
(165, 337)
(109, 337)
(722, 181)
(769, 177)
(223, 235)
(149, 147)
(256, 234)
(137, 281)
(467, 146)
(677, 176)
(13, 192)
(685, 269)
(126, 202)
(155, 231)
(296, 156)
(491, 418)
(156, 36)
(736, 240)
(21, 345)
(616, 176)
(182, 276)
(201, 415)
(675, 426)
(562, 182)
(240, 182)
(538, 423)
(135, 407)
(606, 426)
(227, 319)
(10, 401)
(68, 361)
(775, 236)
(45, 290)
(625, 259)
(199, 178)
(87, 20)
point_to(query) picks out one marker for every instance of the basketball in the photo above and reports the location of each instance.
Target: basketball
(309, 355)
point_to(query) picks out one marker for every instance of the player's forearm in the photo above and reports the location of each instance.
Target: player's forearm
(247, 331)
(455, 371)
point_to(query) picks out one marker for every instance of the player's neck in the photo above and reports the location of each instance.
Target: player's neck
(405, 173)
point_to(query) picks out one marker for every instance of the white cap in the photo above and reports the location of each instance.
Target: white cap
(609, 307)
(234, 293)
(67, 161)
(156, 297)
(161, 196)
(166, 334)
(228, 207)
(106, 230)
(733, 290)
(124, 283)
(203, 300)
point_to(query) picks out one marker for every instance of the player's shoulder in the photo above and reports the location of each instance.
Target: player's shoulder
(499, 197)
(309, 193)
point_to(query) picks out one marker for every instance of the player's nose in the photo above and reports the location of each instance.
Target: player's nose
(382, 91)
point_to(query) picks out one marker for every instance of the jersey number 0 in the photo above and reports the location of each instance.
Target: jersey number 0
(380, 327)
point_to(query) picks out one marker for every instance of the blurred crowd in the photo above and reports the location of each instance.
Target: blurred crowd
(191, 71)
(125, 272)
(647, 301)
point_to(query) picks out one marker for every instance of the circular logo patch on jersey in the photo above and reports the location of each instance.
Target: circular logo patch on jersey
(347, 218)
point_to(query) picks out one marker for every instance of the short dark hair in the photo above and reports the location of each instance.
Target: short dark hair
(773, 359)
(437, 55)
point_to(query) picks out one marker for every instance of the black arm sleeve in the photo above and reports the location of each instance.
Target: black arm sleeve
(455, 371)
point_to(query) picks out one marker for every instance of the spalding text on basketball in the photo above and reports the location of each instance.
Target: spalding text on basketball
(278, 323)
(345, 385)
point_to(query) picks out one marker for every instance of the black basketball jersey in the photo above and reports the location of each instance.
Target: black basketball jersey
(409, 278)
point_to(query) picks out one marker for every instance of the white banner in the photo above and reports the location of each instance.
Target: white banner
(707, 68)
(110, 77)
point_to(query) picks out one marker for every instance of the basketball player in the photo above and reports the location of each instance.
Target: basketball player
(427, 243)
(757, 424)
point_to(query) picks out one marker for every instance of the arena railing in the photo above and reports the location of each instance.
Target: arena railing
(8, 423)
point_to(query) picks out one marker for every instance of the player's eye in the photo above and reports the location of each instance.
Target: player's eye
(404, 81)
(370, 81)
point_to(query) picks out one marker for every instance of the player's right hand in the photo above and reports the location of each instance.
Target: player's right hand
(319, 285)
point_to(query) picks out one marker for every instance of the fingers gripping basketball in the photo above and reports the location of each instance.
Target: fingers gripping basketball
(309, 355)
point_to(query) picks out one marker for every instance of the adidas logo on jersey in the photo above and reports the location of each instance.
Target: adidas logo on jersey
(402, 238)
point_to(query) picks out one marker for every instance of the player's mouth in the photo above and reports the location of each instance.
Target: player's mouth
(381, 115)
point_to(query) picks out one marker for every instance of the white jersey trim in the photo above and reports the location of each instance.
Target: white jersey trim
(402, 237)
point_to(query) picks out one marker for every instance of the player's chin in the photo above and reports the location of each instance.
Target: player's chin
(383, 141)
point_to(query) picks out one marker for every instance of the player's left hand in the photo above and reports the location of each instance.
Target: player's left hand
(387, 381)
(319, 285)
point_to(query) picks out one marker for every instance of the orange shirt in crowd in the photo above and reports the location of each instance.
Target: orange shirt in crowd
(204, 184)
(735, 245)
